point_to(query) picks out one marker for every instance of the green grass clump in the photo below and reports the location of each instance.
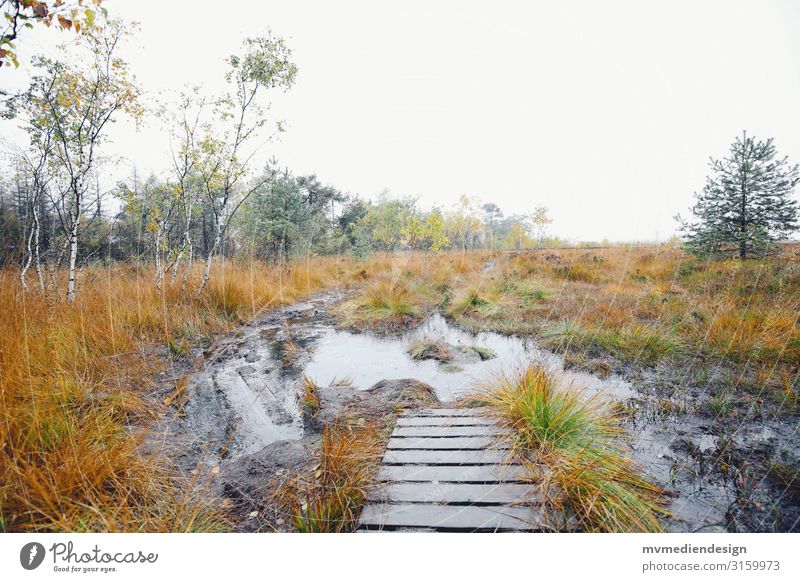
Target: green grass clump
(387, 303)
(577, 439)
(483, 352)
(721, 405)
(638, 343)
(311, 401)
(476, 302)
(531, 295)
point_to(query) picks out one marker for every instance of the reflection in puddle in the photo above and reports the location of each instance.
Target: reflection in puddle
(366, 359)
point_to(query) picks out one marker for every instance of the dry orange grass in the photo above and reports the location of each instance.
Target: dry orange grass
(329, 498)
(622, 297)
(74, 385)
(76, 379)
(408, 288)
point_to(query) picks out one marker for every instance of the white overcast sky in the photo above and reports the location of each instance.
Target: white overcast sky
(605, 112)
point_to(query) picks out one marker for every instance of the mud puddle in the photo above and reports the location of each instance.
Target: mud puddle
(248, 394)
(364, 359)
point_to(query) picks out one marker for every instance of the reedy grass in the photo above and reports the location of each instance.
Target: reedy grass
(76, 382)
(635, 343)
(330, 496)
(577, 439)
(476, 301)
(386, 302)
(407, 287)
(644, 305)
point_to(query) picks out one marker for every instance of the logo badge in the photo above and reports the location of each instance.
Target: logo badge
(31, 555)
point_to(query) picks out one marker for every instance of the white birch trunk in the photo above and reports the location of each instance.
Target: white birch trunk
(159, 268)
(73, 258)
(212, 252)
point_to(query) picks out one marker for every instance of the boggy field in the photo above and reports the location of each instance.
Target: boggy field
(658, 391)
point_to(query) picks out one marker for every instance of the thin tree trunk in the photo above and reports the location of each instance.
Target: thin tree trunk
(186, 247)
(73, 258)
(189, 260)
(33, 255)
(210, 258)
(159, 269)
(37, 259)
(176, 264)
(27, 262)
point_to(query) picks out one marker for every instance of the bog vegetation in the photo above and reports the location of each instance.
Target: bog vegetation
(102, 287)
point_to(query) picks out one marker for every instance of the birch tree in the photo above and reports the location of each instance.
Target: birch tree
(36, 161)
(156, 202)
(185, 128)
(265, 64)
(78, 103)
(540, 221)
(36, 167)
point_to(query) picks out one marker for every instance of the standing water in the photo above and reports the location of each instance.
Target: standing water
(365, 359)
(247, 396)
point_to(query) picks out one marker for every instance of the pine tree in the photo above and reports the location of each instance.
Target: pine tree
(746, 205)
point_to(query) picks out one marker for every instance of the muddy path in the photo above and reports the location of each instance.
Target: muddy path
(241, 429)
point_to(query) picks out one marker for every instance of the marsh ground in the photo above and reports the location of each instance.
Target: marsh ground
(708, 352)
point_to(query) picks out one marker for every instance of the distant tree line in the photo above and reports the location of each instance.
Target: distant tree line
(212, 201)
(172, 223)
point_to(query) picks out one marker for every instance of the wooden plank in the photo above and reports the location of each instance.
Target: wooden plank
(460, 493)
(445, 431)
(440, 443)
(445, 412)
(444, 421)
(484, 457)
(452, 517)
(453, 474)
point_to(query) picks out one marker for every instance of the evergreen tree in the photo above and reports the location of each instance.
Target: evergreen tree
(746, 204)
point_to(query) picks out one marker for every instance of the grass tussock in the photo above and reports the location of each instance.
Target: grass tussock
(329, 499)
(577, 439)
(387, 302)
(311, 401)
(483, 352)
(478, 302)
(426, 349)
(76, 382)
(637, 343)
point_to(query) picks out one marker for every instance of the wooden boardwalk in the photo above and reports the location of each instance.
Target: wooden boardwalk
(444, 470)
